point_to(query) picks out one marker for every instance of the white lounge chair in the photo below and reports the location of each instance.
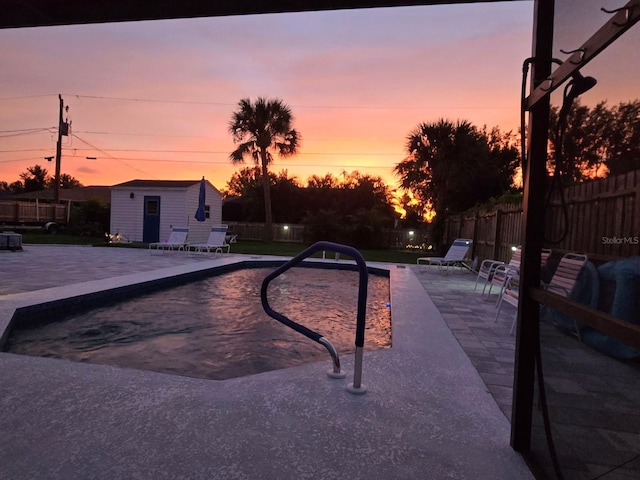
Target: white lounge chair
(176, 241)
(216, 242)
(512, 269)
(488, 268)
(562, 283)
(455, 257)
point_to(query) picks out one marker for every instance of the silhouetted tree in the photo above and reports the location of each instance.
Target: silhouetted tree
(66, 181)
(623, 141)
(35, 179)
(328, 181)
(16, 187)
(451, 167)
(260, 128)
(355, 210)
(597, 137)
(287, 204)
(243, 182)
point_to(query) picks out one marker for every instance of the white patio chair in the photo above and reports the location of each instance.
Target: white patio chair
(176, 241)
(488, 268)
(216, 242)
(456, 256)
(512, 269)
(562, 283)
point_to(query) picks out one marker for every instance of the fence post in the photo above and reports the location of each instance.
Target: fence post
(474, 249)
(496, 234)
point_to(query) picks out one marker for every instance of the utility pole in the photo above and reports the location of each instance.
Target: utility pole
(56, 187)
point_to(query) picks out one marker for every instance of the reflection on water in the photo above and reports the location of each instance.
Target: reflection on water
(216, 328)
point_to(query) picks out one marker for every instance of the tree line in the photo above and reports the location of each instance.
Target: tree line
(598, 141)
(37, 178)
(449, 167)
(354, 208)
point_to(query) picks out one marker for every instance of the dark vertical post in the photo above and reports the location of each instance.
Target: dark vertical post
(56, 187)
(533, 225)
(497, 235)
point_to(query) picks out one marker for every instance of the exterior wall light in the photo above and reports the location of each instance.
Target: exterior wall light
(286, 227)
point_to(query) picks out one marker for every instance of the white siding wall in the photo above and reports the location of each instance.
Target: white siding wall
(177, 209)
(126, 214)
(173, 211)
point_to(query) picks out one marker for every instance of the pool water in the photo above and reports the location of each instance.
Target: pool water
(216, 328)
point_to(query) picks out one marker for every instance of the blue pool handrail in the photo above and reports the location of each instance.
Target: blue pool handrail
(356, 386)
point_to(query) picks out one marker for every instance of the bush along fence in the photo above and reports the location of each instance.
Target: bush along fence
(600, 218)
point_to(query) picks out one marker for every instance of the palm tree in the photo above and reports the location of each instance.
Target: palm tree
(444, 164)
(260, 128)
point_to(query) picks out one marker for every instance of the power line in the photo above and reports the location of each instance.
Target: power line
(351, 107)
(27, 96)
(26, 150)
(217, 162)
(23, 132)
(31, 159)
(226, 152)
(142, 134)
(150, 100)
(114, 158)
(27, 129)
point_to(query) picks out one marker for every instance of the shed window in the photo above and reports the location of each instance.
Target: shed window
(153, 207)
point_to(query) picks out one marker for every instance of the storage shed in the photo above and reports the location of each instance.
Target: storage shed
(147, 210)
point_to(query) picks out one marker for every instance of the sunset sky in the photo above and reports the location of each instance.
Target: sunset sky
(152, 100)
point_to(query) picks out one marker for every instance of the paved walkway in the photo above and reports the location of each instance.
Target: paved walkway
(593, 399)
(426, 414)
(46, 266)
(471, 319)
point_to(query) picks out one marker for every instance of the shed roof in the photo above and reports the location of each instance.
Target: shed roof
(158, 183)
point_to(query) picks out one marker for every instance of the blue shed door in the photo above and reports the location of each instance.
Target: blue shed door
(151, 222)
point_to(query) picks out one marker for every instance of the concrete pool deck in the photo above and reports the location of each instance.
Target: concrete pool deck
(427, 413)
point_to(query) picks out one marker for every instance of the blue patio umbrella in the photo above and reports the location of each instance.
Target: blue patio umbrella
(200, 214)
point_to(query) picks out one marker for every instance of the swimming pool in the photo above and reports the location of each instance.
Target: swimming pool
(215, 328)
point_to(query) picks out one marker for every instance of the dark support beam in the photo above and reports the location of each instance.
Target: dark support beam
(38, 13)
(618, 24)
(603, 322)
(535, 176)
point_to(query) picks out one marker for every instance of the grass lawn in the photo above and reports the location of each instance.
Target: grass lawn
(245, 247)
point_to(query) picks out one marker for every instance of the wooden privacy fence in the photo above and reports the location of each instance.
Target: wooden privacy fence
(16, 212)
(494, 232)
(602, 220)
(401, 238)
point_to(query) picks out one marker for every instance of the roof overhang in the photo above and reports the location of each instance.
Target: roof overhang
(39, 13)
